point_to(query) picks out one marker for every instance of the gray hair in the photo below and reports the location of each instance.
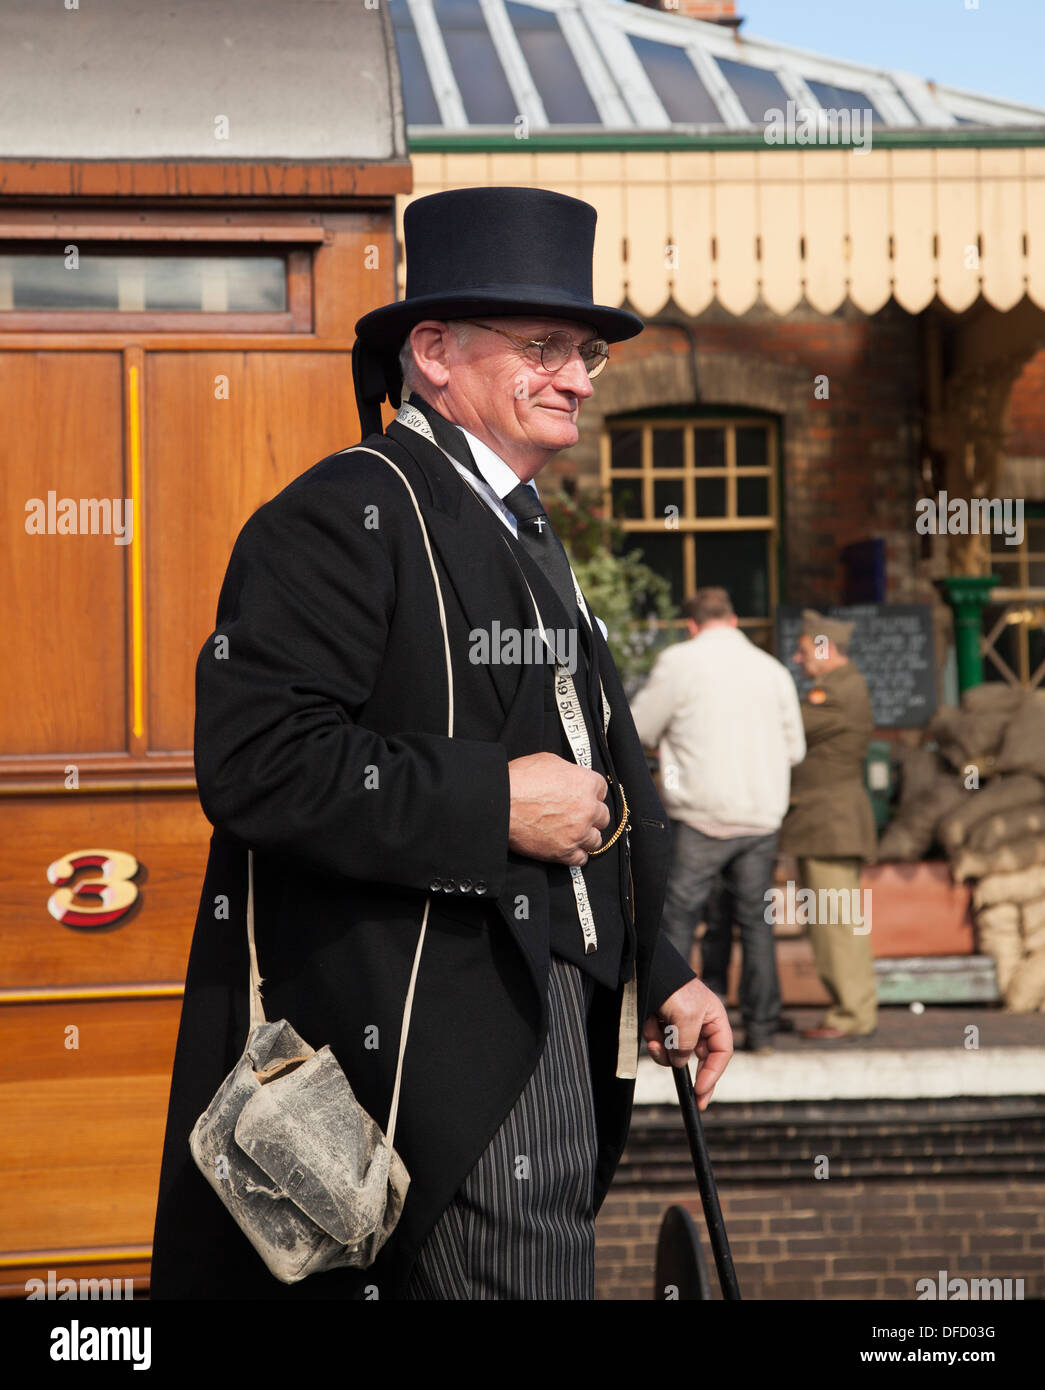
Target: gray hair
(412, 379)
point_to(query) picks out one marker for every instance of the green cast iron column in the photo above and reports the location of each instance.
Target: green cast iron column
(968, 595)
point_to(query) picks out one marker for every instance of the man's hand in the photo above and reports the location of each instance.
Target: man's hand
(698, 1023)
(558, 809)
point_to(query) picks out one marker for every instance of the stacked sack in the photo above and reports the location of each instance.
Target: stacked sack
(993, 832)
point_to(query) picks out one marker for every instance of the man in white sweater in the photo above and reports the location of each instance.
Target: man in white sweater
(728, 723)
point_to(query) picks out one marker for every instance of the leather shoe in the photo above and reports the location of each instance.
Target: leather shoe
(825, 1034)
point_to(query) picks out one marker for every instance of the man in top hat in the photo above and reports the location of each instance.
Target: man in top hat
(830, 824)
(532, 831)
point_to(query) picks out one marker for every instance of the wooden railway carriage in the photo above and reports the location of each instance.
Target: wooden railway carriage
(197, 204)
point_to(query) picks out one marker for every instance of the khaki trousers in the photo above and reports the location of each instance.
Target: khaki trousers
(843, 956)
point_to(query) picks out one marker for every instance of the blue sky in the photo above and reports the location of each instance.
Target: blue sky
(997, 49)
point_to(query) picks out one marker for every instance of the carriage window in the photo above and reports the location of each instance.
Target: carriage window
(71, 277)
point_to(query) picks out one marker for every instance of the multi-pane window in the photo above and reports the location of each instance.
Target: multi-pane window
(1021, 642)
(700, 497)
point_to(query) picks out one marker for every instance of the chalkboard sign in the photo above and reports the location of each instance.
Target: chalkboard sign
(891, 647)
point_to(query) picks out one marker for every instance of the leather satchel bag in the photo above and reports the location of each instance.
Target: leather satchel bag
(305, 1172)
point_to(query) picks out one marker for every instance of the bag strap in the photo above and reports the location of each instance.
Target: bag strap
(408, 1007)
(257, 1008)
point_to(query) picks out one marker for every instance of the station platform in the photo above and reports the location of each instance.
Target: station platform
(911, 1055)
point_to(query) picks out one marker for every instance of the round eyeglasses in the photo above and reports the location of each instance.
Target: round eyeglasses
(557, 349)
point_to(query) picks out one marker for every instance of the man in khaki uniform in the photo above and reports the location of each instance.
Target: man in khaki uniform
(830, 824)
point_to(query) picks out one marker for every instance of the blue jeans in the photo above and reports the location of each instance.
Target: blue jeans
(745, 866)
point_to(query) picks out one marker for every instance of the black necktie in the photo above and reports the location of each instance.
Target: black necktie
(537, 537)
(535, 530)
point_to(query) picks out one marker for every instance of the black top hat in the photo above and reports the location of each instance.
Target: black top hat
(493, 251)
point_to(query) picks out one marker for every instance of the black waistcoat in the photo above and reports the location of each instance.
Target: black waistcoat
(607, 876)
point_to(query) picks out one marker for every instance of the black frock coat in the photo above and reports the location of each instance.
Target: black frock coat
(321, 743)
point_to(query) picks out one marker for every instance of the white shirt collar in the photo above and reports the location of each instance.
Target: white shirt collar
(493, 468)
(501, 480)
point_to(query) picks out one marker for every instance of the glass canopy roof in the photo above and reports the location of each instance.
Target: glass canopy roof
(591, 65)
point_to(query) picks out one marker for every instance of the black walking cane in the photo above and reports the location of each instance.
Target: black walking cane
(727, 1275)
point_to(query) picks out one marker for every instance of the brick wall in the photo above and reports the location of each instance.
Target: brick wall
(839, 1239)
(849, 462)
(1026, 433)
(913, 1187)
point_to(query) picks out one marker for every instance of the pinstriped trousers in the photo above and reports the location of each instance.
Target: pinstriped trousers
(522, 1225)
